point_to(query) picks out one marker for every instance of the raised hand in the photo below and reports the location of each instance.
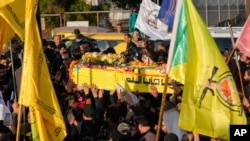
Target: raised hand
(128, 98)
(112, 92)
(119, 95)
(153, 90)
(100, 93)
(69, 85)
(246, 103)
(94, 90)
(177, 89)
(85, 87)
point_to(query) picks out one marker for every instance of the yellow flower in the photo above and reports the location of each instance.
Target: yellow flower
(99, 58)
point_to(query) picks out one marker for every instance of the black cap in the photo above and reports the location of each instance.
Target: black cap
(77, 31)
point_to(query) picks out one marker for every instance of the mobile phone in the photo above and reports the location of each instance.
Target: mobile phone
(7, 118)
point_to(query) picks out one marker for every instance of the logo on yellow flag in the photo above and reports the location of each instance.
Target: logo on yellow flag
(224, 89)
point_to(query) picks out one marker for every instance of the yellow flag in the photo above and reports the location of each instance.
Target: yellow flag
(5, 2)
(6, 32)
(36, 90)
(210, 102)
(13, 14)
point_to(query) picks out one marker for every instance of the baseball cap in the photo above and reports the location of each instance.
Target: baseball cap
(123, 128)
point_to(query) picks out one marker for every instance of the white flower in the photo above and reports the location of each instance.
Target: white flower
(103, 57)
(94, 54)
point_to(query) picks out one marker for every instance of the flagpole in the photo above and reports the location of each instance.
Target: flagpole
(16, 98)
(230, 55)
(20, 113)
(237, 63)
(13, 71)
(163, 103)
(233, 44)
(21, 110)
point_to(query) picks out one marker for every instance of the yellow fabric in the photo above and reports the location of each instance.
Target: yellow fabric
(119, 48)
(6, 33)
(5, 2)
(177, 72)
(208, 108)
(13, 14)
(132, 81)
(36, 90)
(34, 125)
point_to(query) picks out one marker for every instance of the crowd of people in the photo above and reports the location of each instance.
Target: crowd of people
(94, 114)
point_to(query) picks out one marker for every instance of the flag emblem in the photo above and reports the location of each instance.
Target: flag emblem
(151, 18)
(227, 93)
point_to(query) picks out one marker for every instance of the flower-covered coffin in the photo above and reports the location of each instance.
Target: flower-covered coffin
(106, 70)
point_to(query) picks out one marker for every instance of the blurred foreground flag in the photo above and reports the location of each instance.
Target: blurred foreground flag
(36, 90)
(243, 42)
(10, 13)
(148, 23)
(5, 2)
(210, 102)
(6, 32)
(13, 14)
(167, 12)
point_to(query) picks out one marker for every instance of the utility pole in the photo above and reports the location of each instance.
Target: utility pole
(247, 8)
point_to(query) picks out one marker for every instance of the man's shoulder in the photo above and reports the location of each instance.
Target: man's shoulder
(132, 44)
(149, 136)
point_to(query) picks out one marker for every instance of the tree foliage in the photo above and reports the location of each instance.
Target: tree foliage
(61, 6)
(51, 7)
(127, 4)
(130, 4)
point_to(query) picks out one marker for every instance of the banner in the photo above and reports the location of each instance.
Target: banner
(148, 23)
(138, 79)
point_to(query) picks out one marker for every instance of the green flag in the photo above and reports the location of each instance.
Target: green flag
(210, 102)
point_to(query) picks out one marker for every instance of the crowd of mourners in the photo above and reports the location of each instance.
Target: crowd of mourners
(94, 114)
